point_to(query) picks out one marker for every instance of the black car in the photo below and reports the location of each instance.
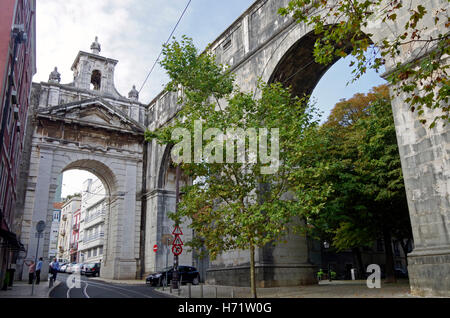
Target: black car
(187, 274)
(91, 269)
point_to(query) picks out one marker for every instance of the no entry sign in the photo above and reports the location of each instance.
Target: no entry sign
(155, 248)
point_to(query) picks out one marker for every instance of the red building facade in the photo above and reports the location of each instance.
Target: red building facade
(75, 239)
(17, 67)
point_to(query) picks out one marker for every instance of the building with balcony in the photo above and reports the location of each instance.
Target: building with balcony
(54, 231)
(93, 211)
(17, 67)
(67, 236)
(75, 237)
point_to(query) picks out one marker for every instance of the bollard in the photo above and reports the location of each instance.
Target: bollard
(189, 290)
(171, 288)
(216, 292)
(201, 290)
(179, 290)
(50, 282)
(232, 293)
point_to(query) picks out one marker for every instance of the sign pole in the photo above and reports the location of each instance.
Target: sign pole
(39, 229)
(175, 257)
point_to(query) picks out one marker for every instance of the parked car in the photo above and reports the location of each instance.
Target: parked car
(76, 268)
(70, 267)
(62, 268)
(187, 274)
(92, 269)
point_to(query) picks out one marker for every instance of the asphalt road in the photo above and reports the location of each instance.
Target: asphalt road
(88, 288)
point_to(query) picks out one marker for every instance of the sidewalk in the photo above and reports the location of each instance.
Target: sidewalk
(335, 289)
(21, 289)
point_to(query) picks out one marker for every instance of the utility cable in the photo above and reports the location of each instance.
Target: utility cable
(160, 53)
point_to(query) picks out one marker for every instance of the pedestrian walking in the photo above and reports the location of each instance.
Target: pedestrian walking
(54, 267)
(31, 271)
(38, 271)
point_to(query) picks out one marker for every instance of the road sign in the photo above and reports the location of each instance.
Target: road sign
(155, 248)
(177, 231)
(177, 241)
(40, 227)
(177, 250)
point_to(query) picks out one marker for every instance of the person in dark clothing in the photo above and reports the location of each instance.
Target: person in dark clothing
(38, 271)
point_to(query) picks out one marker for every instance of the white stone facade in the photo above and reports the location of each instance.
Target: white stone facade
(93, 213)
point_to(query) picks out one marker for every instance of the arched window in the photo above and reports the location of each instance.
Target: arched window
(96, 80)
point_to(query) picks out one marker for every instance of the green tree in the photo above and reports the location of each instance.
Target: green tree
(367, 200)
(232, 204)
(339, 28)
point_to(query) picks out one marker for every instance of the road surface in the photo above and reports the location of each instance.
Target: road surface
(89, 288)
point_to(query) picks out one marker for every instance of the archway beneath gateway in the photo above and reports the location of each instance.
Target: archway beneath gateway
(79, 222)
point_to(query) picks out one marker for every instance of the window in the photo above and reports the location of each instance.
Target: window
(227, 43)
(100, 250)
(94, 252)
(89, 253)
(96, 80)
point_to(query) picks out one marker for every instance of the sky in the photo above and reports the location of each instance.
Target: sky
(133, 31)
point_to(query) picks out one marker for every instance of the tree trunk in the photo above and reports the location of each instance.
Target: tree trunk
(252, 272)
(359, 262)
(390, 276)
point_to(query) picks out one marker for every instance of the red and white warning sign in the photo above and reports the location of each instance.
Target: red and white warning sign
(177, 241)
(177, 245)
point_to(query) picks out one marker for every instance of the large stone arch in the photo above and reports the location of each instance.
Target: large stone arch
(161, 200)
(121, 176)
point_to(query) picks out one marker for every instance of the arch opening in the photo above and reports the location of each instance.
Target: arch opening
(86, 189)
(96, 80)
(327, 86)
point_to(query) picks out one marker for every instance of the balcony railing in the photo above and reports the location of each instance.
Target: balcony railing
(90, 218)
(94, 237)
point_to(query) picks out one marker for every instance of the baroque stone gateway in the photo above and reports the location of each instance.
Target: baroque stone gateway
(88, 125)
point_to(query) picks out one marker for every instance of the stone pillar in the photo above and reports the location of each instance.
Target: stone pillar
(425, 161)
(39, 207)
(53, 96)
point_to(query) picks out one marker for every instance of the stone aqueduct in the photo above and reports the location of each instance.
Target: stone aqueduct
(73, 126)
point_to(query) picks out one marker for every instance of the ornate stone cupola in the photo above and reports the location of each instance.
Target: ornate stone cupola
(94, 72)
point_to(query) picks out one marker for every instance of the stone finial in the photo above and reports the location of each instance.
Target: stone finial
(133, 94)
(55, 76)
(96, 47)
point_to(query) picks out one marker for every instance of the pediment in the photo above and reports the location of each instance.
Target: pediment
(94, 112)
